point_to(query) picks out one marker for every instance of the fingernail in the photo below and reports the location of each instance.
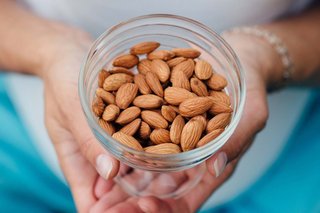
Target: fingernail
(104, 165)
(143, 207)
(220, 164)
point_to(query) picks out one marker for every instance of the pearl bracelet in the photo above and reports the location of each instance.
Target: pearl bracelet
(277, 44)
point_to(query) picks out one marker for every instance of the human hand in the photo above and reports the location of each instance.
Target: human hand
(80, 154)
(220, 166)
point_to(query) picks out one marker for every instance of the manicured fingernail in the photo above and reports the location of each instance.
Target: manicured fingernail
(104, 165)
(220, 164)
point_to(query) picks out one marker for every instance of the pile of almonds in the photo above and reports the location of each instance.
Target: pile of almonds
(176, 102)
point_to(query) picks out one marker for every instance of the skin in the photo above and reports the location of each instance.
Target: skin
(76, 147)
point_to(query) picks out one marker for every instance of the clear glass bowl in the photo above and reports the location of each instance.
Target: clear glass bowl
(142, 172)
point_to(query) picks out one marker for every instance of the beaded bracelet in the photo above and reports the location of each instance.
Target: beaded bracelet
(277, 44)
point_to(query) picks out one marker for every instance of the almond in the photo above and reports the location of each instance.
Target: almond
(217, 82)
(186, 52)
(125, 95)
(190, 135)
(220, 96)
(186, 66)
(209, 137)
(159, 136)
(114, 81)
(161, 69)
(148, 101)
(145, 130)
(106, 126)
(140, 81)
(179, 79)
(144, 47)
(103, 74)
(161, 54)
(144, 66)
(98, 106)
(219, 121)
(132, 127)
(121, 70)
(154, 83)
(111, 112)
(175, 61)
(128, 115)
(220, 107)
(127, 140)
(176, 95)
(168, 113)
(195, 106)
(154, 119)
(127, 61)
(175, 108)
(202, 120)
(198, 87)
(176, 129)
(164, 148)
(107, 97)
(203, 70)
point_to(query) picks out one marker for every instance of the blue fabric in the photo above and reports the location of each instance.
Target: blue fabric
(26, 184)
(292, 184)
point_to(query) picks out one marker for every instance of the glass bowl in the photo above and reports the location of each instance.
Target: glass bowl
(142, 172)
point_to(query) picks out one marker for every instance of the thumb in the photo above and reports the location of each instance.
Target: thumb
(105, 164)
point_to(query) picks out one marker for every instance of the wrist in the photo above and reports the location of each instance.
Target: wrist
(60, 43)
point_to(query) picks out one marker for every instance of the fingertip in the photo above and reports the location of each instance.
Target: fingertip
(107, 166)
(152, 205)
(217, 164)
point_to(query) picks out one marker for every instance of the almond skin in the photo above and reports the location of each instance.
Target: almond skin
(217, 82)
(186, 52)
(121, 70)
(186, 66)
(127, 140)
(145, 130)
(98, 106)
(176, 129)
(107, 97)
(106, 126)
(132, 127)
(179, 79)
(154, 119)
(209, 137)
(220, 107)
(127, 61)
(195, 106)
(190, 135)
(198, 87)
(168, 113)
(219, 121)
(103, 74)
(148, 101)
(128, 115)
(164, 148)
(202, 120)
(140, 81)
(144, 47)
(125, 95)
(175, 61)
(161, 54)
(154, 83)
(176, 95)
(111, 112)
(144, 66)
(161, 69)
(159, 136)
(114, 81)
(220, 96)
(203, 70)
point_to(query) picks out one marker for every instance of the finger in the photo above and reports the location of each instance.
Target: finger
(102, 187)
(129, 206)
(154, 205)
(105, 165)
